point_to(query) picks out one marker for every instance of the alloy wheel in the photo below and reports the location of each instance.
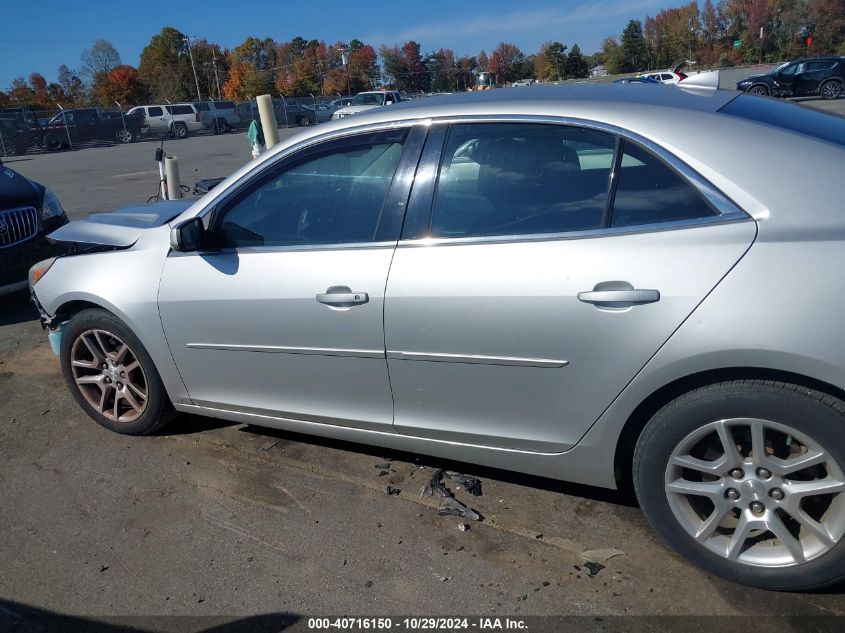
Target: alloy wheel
(757, 492)
(830, 90)
(109, 375)
(758, 90)
(124, 136)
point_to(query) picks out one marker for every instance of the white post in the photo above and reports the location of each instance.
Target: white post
(268, 120)
(171, 170)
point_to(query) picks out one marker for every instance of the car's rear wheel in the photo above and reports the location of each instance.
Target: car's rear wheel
(180, 130)
(745, 479)
(221, 126)
(830, 90)
(111, 375)
(52, 141)
(758, 89)
(304, 120)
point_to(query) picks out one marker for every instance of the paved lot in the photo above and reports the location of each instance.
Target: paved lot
(219, 519)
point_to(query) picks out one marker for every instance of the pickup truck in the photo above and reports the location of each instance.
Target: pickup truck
(80, 126)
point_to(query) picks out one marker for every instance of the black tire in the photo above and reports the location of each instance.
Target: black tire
(180, 130)
(158, 411)
(815, 414)
(303, 121)
(52, 141)
(221, 126)
(830, 90)
(123, 136)
(758, 89)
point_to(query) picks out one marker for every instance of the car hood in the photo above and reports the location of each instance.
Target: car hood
(357, 109)
(121, 228)
(17, 191)
(753, 77)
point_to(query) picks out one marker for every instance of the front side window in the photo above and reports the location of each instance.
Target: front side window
(333, 195)
(648, 191)
(368, 99)
(512, 179)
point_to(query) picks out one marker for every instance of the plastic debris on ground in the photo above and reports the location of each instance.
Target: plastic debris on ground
(593, 568)
(392, 490)
(449, 505)
(601, 555)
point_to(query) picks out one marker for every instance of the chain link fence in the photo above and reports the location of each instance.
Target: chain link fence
(29, 131)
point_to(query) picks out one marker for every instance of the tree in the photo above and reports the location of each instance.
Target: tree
(576, 65)
(506, 62)
(633, 54)
(550, 63)
(71, 88)
(613, 62)
(102, 57)
(166, 68)
(122, 84)
(483, 61)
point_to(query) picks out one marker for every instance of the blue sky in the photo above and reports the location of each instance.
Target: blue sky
(44, 34)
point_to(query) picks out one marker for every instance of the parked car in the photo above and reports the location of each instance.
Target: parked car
(636, 80)
(552, 281)
(220, 116)
(822, 76)
(16, 137)
(178, 119)
(341, 102)
(324, 111)
(522, 83)
(28, 212)
(364, 101)
(79, 126)
(290, 112)
(25, 115)
(665, 76)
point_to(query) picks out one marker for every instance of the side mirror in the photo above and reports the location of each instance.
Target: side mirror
(188, 236)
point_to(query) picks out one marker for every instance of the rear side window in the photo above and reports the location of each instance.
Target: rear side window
(515, 179)
(226, 105)
(202, 106)
(648, 192)
(155, 111)
(789, 116)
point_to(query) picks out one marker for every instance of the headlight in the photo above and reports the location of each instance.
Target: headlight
(39, 270)
(52, 207)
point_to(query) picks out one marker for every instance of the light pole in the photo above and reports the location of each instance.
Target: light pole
(344, 58)
(191, 55)
(216, 77)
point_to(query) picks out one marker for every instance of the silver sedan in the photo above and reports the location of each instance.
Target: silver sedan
(602, 284)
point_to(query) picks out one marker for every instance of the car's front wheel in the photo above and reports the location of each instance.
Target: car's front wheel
(111, 375)
(745, 479)
(758, 89)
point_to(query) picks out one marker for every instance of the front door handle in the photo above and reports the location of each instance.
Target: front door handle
(342, 296)
(618, 294)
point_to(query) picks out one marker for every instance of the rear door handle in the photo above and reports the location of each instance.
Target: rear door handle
(342, 296)
(618, 294)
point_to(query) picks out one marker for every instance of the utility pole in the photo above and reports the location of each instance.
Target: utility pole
(344, 57)
(216, 77)
(194, 68)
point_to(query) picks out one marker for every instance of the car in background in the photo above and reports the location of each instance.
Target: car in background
(636, 80)
(670, 77)
(177, 119)
(28, 213)
(819, 76)
(81, 126)
(16, 136)
(220, 116)
(522, 82)
(341, 102)
(364, 101)
(485, 280)
(324, 111)
(290, 112)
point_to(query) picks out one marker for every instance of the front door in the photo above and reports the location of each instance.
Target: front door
(285, 317)
(529, 301)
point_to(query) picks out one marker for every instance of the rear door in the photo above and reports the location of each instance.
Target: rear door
(811, 76)
(541, 266)
(157, 119)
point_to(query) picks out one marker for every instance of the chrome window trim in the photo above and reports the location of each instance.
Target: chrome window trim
(577, 235)
(247, 250)
(727, 210)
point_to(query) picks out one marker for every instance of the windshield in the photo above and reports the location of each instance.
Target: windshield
(368, 98)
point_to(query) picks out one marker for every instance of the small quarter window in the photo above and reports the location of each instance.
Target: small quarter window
(648, 192)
